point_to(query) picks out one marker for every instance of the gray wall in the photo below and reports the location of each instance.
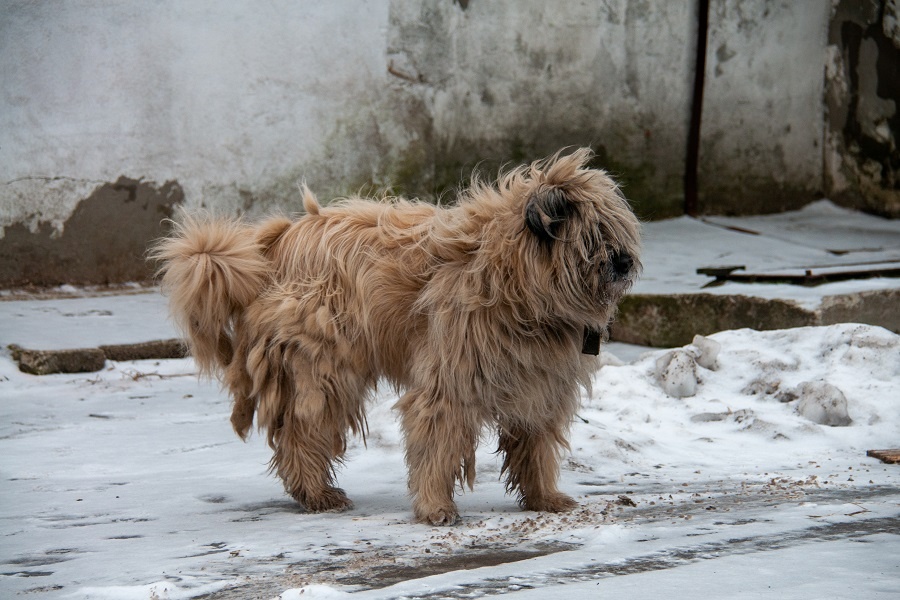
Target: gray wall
(112, 113)
(762, 125)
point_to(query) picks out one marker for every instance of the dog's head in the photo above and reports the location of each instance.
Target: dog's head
(577, 234)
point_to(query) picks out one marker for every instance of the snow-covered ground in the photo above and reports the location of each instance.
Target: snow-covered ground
(732, 468)
(129, 483)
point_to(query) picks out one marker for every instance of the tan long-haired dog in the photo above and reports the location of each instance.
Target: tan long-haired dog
(480, 312)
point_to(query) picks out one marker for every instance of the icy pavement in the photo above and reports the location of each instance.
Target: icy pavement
(86, 321)
(129, 483)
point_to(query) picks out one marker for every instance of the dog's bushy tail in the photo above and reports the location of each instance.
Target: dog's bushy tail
(211, 270)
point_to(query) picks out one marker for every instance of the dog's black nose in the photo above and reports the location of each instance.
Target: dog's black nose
(622, 263)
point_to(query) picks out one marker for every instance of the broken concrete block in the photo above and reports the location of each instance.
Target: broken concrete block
(87, 360)
(172, 348)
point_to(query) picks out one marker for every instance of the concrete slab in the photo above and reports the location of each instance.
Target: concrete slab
(671, 303)
(669, 320)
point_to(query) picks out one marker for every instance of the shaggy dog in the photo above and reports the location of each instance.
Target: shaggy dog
(486, 312)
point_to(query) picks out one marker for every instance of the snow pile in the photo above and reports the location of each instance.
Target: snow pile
(822, 403)
(782, 393)
(819, 401)
(677, 373)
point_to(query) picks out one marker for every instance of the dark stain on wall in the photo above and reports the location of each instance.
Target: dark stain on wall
(104, 240)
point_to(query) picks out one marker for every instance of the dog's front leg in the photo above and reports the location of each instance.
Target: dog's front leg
(440, 451)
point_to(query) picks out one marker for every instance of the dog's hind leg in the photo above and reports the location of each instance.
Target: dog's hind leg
(531, 464)
(304, 459)
(440, 451)
(240, 384)
(308, 409)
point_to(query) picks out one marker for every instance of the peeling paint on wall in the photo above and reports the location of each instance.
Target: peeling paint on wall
(862, 158)
(103, 241)
(505, 83)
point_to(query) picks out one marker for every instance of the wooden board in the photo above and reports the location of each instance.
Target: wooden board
(808, 276)
(890, 456)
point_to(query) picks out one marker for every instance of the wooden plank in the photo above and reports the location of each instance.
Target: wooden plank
(808, 276)
(890, 456)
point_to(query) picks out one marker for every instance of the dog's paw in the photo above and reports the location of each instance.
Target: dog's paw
(332, 500)
(555, 503)
(440, 517)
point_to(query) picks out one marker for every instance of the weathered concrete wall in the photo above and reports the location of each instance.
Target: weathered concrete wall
(761, 133)
(234, 103)
(862, 157)
(229, 105)
(514, 81)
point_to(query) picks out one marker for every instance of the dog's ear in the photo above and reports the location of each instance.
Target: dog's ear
(546, 211)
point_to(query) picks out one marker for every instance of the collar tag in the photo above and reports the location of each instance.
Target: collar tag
(590, 343)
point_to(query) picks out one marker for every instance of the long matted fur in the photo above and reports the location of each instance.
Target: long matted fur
(477, 312)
